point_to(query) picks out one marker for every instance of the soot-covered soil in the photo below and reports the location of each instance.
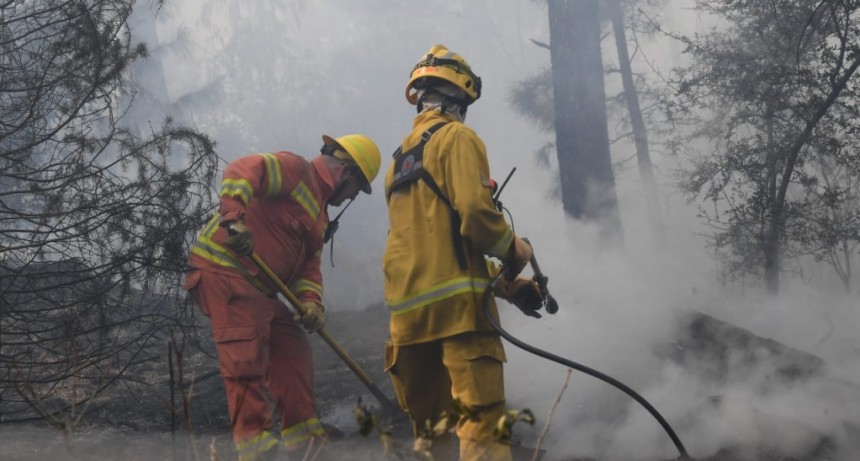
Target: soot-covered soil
(133, 420)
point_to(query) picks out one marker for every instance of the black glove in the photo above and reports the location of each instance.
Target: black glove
(240, 239)
(519, 256)
(525, 294)
(522, 292)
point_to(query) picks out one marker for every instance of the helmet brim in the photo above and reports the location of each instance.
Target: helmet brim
(329, 141)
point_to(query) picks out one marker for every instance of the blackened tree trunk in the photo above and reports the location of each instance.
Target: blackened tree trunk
(631, 97)
(582, 137)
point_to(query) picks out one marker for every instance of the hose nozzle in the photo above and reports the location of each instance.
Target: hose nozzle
(550, 303)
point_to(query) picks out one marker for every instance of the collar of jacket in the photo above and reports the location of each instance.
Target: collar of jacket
(425, 117)
(325, 180)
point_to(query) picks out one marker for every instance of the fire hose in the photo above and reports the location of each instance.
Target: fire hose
(551, 306)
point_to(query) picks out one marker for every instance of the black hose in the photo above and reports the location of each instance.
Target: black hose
(589, 371)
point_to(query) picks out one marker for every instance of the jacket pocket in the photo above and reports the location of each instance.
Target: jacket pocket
(396, 383)
(475, 362)
(482, 345)
(390, 356)
(240, 352)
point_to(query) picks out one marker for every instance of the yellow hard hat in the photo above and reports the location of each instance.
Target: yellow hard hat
(362, 151)
(442, 63)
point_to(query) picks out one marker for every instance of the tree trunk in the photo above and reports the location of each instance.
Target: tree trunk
(640, 135)
(582, 137)
(770, 244)
(776, 222)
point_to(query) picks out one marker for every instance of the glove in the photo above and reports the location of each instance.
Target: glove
(314, 317)
(522, 292)
(525, 294)
(240, 239)
(519, 256)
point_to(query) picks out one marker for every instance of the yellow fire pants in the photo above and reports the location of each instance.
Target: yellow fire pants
(427, 377)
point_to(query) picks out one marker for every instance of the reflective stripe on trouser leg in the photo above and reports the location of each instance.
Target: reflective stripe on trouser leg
(240, 317)
(251, 449)
(290, 380)
(294, 436)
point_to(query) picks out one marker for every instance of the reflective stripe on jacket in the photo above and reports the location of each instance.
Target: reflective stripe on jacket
(428, 294)
(282, 199)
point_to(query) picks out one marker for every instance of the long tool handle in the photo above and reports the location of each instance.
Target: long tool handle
(387, 405)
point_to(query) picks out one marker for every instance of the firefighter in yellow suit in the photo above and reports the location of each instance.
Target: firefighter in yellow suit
(443, 225)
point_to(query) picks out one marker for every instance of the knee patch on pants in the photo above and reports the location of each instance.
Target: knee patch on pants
(240, 352)
(475, 363)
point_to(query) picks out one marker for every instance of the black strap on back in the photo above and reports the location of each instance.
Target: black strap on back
(409, 167)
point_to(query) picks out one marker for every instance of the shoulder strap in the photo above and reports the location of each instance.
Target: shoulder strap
(409, 167)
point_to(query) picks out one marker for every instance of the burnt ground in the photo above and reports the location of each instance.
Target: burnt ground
(133, 421)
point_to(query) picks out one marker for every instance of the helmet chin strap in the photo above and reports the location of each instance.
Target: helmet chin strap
(333, 224)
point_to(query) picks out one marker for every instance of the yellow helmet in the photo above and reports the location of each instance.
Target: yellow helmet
(442, 63)
(362, 151)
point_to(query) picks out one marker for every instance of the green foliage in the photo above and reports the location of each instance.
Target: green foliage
(771, 96)
(532, 98)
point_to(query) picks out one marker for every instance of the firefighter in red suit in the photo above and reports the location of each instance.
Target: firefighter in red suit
(275, 205)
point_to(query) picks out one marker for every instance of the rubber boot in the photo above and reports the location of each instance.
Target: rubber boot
(440, 448)
(491, 451)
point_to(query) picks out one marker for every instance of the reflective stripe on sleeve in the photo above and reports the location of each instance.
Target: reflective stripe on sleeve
(501, 247)
(301, 285)
(237, 188)
(306, 199)
(273, 175)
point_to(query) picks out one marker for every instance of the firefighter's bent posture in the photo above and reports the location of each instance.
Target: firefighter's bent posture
(443, 224)
(273, 204)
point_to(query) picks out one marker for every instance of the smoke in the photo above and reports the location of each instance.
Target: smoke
(333, 68)
(774, 382)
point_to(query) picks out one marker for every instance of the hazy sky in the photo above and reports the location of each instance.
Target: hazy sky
(282, 75)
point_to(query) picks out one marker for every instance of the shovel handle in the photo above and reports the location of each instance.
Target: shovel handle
(387, 405)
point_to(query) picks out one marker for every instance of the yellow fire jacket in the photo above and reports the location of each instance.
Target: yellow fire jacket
(427, 292)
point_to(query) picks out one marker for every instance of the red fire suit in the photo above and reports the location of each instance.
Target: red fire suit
(282, 199)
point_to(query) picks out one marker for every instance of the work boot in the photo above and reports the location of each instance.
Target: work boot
(490, 451)
(272, 454)
(310, 449)
(436, 449)
(332, 433)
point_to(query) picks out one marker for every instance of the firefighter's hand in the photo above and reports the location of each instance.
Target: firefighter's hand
(314, 317)
(519, 256)
(523, 293)
(240, 239)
